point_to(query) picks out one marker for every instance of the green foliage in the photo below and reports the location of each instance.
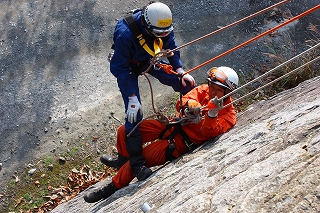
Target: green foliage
(47, 161)
(38, 202)
(11, 184)
(27, 197)
(278, 54)
(74, 151)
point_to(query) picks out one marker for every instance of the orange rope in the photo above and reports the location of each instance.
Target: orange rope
(167, 68)
(232, 24)
(255, 38)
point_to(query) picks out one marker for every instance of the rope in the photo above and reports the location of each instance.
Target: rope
(151, 91)
(255, 38)
(232, 24)
(195, 118)
(272, 82)
(163, 53)
(270, 71)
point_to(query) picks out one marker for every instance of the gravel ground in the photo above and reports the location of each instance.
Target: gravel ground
(54, 77)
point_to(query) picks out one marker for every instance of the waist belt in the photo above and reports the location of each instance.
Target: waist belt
(138, 63)
(137, 66)
(177, 130)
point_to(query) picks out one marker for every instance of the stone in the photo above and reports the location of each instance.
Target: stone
(32, 171)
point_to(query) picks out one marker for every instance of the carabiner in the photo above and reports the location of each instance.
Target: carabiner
(171, 144)
(155, 65)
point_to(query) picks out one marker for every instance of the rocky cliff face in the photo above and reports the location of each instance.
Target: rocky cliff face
(269, 162)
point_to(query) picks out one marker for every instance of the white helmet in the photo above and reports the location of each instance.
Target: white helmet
(157, 18)
(223, 76)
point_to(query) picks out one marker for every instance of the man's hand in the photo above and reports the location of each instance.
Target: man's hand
(186, 77)
(167, 53)
(133, 107)
(214, 105)
(194, 106)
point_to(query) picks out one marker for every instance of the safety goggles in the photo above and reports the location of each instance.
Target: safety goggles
(216, 76)
(161, 32)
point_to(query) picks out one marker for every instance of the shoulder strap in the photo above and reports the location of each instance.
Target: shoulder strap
(133, 26)
(137, 33)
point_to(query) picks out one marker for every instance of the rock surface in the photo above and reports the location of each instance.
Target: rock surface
(269, 162)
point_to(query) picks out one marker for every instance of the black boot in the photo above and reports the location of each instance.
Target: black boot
(114, 162)
(99, 193)
(142, 172)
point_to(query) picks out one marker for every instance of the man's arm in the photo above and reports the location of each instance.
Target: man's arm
(119, 64)
(198, 93)
(224, 121)
(170, 44)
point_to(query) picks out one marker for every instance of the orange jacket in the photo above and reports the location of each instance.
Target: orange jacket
(208, 128)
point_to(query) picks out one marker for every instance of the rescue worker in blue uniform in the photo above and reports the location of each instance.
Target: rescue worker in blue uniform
(130, 59)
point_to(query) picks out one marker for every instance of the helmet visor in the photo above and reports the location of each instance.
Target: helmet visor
(161, 32)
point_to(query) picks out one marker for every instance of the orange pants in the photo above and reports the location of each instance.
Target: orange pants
(154, 152)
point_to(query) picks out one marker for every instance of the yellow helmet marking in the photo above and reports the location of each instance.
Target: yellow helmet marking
(165, 22)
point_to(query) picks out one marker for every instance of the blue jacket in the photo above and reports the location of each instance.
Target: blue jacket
(128, 50)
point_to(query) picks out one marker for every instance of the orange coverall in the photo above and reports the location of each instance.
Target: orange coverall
(199, 133)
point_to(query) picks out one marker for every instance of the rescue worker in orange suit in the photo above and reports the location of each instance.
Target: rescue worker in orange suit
(167, 142)
(130, 59)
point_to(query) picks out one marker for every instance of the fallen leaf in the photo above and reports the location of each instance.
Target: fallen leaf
(17, 179)
(18, 202)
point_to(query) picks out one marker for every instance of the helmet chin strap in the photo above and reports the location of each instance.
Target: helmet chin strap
(145, 26)
(225, 92)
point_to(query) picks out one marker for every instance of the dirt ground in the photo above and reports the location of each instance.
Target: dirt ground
(56, 88)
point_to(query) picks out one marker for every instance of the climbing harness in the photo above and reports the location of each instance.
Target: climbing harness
(133, 25)
(157, 45)
(177, 129)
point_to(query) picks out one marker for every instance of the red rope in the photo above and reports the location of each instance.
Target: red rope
(255, 38)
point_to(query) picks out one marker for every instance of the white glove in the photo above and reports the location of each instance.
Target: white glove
(133, 107)
(167, 53)
(214, 105)
(186, 77)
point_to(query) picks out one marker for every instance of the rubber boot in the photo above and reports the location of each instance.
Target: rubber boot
(142, 172)
(114, 162)
(100, 193)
